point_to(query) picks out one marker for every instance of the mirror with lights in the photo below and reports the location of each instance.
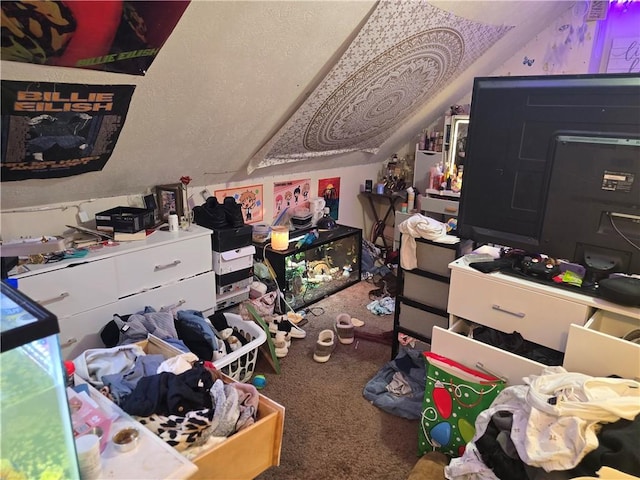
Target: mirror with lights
(457, 142)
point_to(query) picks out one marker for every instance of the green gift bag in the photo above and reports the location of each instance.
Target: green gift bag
(454, 396)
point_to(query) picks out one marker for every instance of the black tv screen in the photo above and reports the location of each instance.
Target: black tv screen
(514, 127)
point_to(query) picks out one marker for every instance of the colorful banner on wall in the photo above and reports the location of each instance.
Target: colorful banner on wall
(329, 189)
(53, 130)
(250, 199)
(114, 36)
(290, 194)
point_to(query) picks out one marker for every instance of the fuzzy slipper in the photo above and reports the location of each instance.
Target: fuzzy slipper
(324, 346)
(344, 328)
(357, 322)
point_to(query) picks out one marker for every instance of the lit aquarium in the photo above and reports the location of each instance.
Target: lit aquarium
(314, 271)
(36, 437)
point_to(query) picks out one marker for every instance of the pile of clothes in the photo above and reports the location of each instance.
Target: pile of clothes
(182, 399)
(559, 425)
(210, 338)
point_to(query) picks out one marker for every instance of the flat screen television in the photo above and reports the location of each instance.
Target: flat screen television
(553, 167)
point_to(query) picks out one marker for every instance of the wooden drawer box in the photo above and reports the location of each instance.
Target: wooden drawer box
(425, 290)
(455, 344)
(419, 320)
(248, 453)
(597, 348)
(489, 301)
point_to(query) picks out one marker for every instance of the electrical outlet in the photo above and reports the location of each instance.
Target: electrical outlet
(83, 216)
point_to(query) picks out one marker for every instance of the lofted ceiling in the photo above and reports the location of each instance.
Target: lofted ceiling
(251, 89)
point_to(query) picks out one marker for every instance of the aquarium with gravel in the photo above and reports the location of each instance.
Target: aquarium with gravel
(36, 437)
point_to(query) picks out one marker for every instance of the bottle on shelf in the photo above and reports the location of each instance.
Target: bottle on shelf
(411, 198)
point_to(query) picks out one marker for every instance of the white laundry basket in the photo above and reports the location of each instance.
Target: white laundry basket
(241, 363)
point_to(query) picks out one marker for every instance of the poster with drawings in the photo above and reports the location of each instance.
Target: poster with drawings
(249, 198)
(290, 194)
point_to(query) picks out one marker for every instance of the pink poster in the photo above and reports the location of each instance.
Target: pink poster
(290, 194)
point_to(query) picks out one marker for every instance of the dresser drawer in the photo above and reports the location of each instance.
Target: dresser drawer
(425, 290)
(434, 258)
(195, 293)
(82, 331)
(419, 320)
(454, 344)
(598, 349)
(439, 205)
(159, 265)
(70, 290)
(542, 319)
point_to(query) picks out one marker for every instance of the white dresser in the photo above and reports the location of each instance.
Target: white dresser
(167, 269)
(587, 329)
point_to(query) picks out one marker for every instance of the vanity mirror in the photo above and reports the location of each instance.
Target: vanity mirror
(457, 142)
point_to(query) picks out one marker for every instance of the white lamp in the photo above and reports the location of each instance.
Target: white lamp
(280, 237)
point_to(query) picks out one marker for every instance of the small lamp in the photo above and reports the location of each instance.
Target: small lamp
(280, 237)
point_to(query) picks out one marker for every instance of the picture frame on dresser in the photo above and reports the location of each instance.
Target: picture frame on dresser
(169, 198)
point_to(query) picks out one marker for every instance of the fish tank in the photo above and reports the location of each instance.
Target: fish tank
(36, 436)
(313, 271)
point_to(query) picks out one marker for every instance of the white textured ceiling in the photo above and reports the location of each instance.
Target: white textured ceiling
(230, 76)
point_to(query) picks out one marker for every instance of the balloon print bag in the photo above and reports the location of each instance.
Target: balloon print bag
(454, 396)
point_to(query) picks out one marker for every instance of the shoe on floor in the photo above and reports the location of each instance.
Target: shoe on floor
(282, 324)
(344, 328)
(280, 345)
(324, 346)
(285, 335)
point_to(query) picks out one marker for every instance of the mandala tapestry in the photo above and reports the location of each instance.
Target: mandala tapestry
(403, 56)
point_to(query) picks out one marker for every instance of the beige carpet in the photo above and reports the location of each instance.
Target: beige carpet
(331, 431)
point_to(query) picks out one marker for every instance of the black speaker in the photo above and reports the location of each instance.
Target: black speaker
(368, 185)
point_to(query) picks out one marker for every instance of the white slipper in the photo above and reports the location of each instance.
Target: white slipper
(284, 325)
(280, 345)
(357, 322)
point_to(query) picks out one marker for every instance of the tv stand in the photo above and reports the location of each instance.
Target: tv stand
(587, 329)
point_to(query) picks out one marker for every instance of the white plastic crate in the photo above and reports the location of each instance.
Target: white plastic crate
(241, 363)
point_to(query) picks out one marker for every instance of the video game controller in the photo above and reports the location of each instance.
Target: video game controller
(539, 267)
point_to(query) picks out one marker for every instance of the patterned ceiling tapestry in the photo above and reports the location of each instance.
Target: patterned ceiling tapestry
(403, 56)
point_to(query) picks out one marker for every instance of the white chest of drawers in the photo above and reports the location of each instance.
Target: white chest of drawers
(586, 329)
(167, 269)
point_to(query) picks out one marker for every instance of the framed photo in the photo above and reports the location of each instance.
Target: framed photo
(169, 198)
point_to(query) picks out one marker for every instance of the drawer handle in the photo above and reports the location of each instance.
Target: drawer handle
(451, 209)
(69, 342)
(515, 314)
(175, 263)
(62, 296)
(177, 304)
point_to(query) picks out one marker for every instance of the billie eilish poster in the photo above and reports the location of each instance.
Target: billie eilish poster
(109, 35)
(53, 130)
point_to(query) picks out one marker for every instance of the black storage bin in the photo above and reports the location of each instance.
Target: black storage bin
(224, 239)
(124, 219)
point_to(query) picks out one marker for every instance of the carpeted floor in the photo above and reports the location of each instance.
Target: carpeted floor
(331, 431)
